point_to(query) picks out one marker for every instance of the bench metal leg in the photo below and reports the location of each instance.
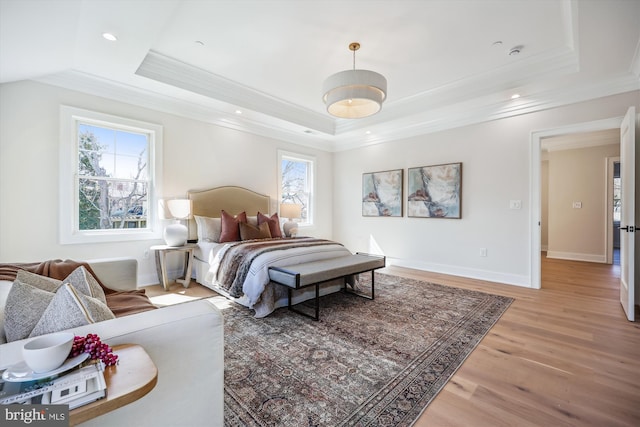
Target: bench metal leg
(373, 289)
(316, 301)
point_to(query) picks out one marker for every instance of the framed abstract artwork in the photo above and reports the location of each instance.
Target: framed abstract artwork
(382, 193)
(435, 191)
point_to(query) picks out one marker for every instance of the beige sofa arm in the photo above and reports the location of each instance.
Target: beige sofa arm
(120, 274)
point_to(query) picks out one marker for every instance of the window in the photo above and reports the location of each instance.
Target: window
(296, 182)
(108, 176)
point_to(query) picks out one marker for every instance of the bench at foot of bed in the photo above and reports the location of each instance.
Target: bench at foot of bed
(315, 273)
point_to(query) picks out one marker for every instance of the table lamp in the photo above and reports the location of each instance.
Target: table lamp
(290, 211)
(175, 234)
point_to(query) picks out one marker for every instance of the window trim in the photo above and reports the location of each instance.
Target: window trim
(68, 229)
(282, 154)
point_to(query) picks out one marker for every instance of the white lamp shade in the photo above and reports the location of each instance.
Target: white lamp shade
(290, 210)
(353, 94)
(174, 209)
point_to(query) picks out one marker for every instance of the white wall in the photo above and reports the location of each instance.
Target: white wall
(496, 169)
(197, 155)
(579, 176)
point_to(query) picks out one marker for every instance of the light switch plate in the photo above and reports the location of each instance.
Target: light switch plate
(515, 204)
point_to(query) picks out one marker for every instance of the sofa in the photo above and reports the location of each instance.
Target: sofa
(185, 341)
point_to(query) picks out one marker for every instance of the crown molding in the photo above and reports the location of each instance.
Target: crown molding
(383, 129)
(483, 109)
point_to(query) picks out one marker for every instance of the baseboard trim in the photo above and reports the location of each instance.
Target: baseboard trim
(576, 256)
(472, 273)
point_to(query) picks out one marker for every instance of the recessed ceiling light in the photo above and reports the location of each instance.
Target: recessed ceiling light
(308, 131)
(496, 43)
(515, 96)
(368, 132)
(110, 37)
(515, 50)
(199, 43)
(238, 112)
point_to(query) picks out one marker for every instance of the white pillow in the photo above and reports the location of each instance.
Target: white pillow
(209, 229)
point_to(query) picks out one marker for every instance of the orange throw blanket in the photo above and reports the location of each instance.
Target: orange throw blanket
(121, 303)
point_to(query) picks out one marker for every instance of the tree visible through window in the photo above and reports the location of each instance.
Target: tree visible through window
(109, 169)
(296, 173)
(113, 178)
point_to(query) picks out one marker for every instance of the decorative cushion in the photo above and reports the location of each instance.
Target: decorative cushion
(230, 231)
(250, 232)
(209, 229)
(84, 282)
(32, 295)
(25, 305)
(274, 223)
(69, 308)
(41, 282)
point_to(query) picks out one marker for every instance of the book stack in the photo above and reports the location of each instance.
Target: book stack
(75, 388)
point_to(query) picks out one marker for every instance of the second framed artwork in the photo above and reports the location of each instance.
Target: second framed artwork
(435, 191)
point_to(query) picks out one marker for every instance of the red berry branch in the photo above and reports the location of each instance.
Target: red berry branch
(97, 349)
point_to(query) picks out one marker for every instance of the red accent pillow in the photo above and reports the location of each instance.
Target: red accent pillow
(274, 223)
(230, 231)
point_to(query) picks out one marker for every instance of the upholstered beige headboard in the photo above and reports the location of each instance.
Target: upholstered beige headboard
(230, 199)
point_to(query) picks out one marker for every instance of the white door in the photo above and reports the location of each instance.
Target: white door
(627, 218)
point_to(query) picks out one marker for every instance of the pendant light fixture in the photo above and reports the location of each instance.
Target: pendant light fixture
(353, 94)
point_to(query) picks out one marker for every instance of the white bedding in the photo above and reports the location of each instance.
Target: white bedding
(259, 293)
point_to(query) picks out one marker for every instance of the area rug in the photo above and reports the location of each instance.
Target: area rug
(365, 363)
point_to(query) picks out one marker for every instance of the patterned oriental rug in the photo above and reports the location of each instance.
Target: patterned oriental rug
(365, 363)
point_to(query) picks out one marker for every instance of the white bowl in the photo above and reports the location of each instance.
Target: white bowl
(48, 352)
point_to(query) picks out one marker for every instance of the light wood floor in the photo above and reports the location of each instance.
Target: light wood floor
(564, 355)
(561, 356)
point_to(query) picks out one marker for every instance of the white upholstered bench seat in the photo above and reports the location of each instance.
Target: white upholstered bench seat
(314, 273)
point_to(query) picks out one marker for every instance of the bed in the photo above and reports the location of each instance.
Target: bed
(238, 269)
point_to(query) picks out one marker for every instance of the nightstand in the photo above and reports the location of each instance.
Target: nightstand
(161, 265)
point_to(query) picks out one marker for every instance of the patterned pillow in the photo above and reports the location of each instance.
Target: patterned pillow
(230, 231)
(251, 232)
(69, 308)
(274, 223)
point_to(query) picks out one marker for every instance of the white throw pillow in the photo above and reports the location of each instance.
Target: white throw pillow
(209, 229)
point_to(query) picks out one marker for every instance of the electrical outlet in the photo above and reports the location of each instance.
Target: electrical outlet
(483, 252)
(146, 254)
(577, 205)
(515, 204)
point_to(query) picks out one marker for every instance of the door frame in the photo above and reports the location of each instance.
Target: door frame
(609, 207)
(535, 214)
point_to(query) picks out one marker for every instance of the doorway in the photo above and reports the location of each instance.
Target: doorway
(614, 208)
(537, 138)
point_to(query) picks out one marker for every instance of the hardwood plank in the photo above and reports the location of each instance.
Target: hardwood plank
(563, 355)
